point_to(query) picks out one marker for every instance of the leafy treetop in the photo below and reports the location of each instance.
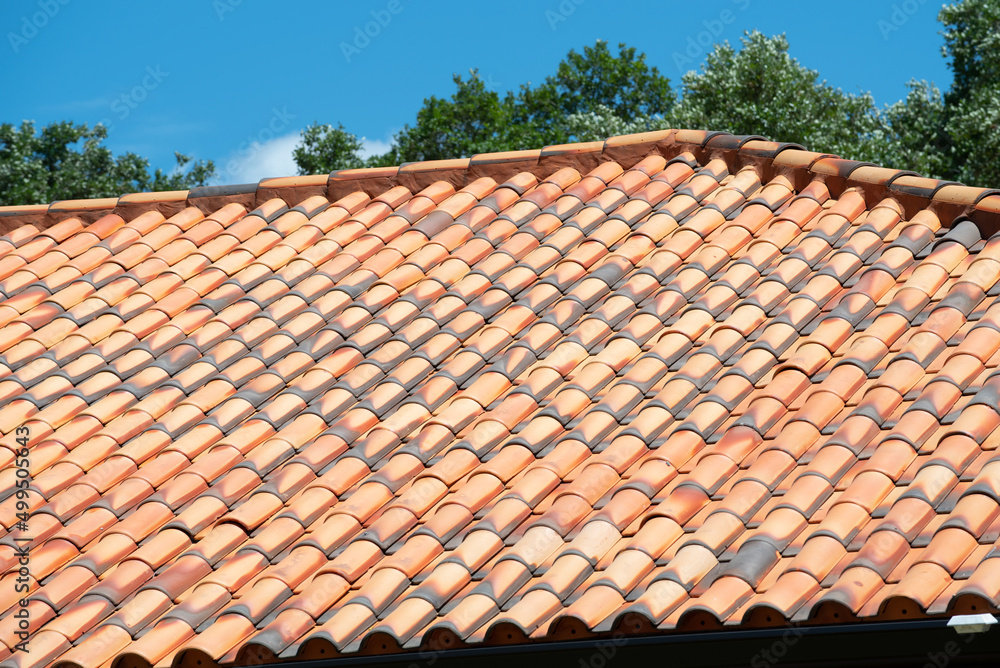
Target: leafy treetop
(67, 161)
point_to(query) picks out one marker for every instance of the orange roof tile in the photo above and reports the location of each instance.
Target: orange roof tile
(664, 382)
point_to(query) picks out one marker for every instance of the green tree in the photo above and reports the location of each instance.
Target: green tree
(762, 90)
(67, 161)
(755, 88)
(620, 88)
(602, 123)
(972, 43)
(325, 148)
(595, 84)
(915, 137)
(972, 114)
(974, 128)
(474, 120)
(956, 135)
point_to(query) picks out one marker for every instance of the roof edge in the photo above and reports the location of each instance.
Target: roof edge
(884, 643)
(950, 201)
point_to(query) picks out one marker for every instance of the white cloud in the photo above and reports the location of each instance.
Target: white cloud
(256, 161)
(370, 147)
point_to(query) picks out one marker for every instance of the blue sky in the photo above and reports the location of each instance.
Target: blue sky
(236, 80)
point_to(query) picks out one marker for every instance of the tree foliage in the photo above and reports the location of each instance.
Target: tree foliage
(756, 87)
(67, 161)
(478, 119)
(761, 89)
(474, 120)
(972, 44)
(325, 148)
(593, 82)
(971, 118)
(915, 136)
(602, 123)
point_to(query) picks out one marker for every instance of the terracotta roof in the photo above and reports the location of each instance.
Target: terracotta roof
(673, 381)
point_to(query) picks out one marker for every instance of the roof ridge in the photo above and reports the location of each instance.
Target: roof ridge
(949, 200)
